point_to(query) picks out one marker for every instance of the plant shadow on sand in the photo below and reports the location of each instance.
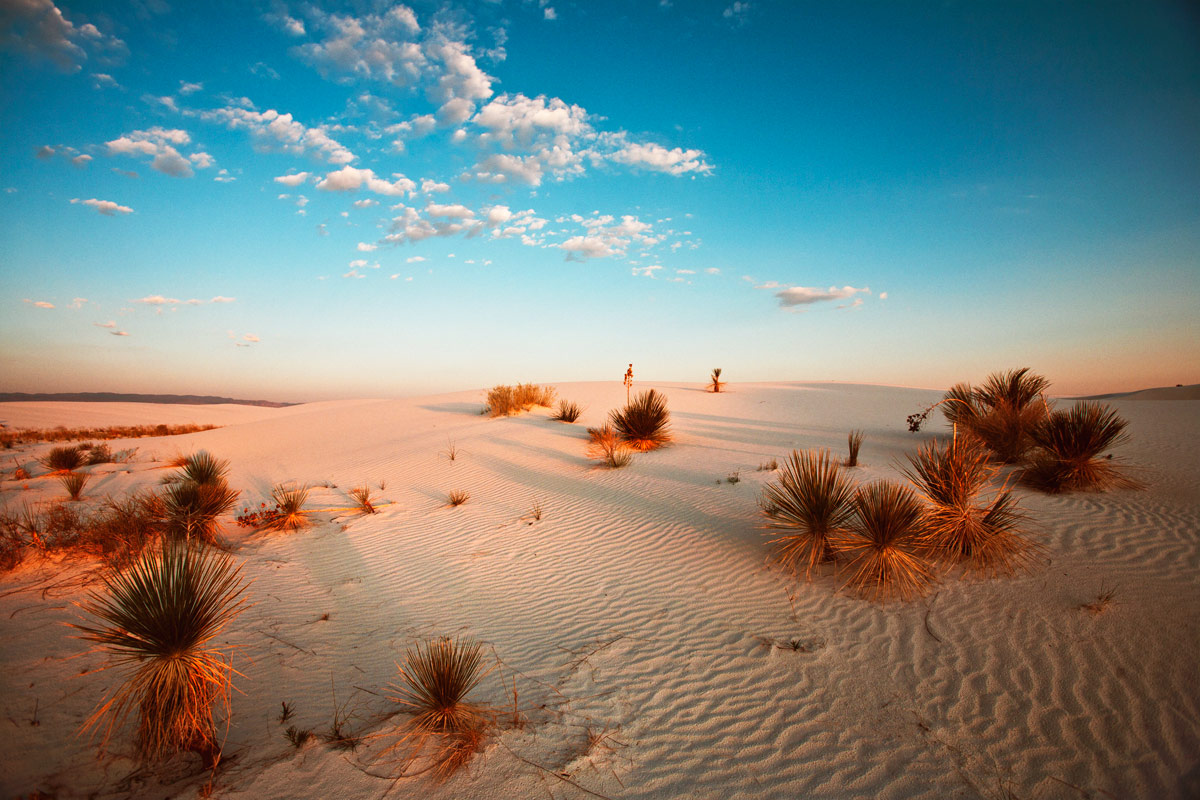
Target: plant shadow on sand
(471, 409)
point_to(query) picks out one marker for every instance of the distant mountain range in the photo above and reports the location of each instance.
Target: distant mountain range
(115, 397)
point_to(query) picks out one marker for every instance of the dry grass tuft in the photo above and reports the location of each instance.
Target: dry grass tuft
(807, 509)
(567, 411)
(644, 424)
(157, 619)
(960, 525)
(32, 435)
(74, 482)
(362, 498)
(1069, 451)
(855, 442)
(715, 380)
(883, 545)
(63, 459)
(457, 497)
(606, 445)
(1101, 603)
(289, 514)
(503, 401)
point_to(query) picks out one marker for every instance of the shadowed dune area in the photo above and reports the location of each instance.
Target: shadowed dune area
(656, 650)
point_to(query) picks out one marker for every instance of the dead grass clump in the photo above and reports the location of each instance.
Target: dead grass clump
(457, 497)
(362, 498)
(606, 445)
(567, 411)
(98, 454)
(855, 442)
(289, 513)
(436, 680)
(118, 532)
(61, 434)
(960, 526)
(157, 620)
(715, 380)
(503, 401)
(1101, 603)
(883, 544)
(808, 509)
(1070, 445)
(74, 482)
(19, 472)
(644, 423)
(63, 459)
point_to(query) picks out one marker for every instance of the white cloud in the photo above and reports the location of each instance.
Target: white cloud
(295, 179)
(39, 28)
(274, 131)
(550, 13)
(109, 324)
(106, 207)
(415, 259)
(349, 179)
(158, 300)
(377, 47)
(81, 160)
(38, 303)
(202, 160)
(222, 299)
(250, 337)
(580, 248)
(364, 247)
(78, 302)
(160, 144)
(186, 88)
(806, 295)
(119, 333)
(366, 203)
(429, 186)
(647, 271)
(883, 295)
(457, 211)
(737, 12)
(685, 272)
(675, 161)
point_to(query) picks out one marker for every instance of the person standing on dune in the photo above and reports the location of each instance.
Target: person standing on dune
(628, 382)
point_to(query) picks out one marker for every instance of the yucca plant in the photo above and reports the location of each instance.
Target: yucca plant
(63, 459)
(883, 546)
(436, 680)
(203, 468)
(289, 508)
(808, 508)
(74, 482)
(1001, 413)
(457, 497)
(715, 380)
(157, 620)
(606, 445)
(194, 510)
(1070, 445)
(362, 497)
(960, 525)
(644, 424)
(855, 442)
(567, 411)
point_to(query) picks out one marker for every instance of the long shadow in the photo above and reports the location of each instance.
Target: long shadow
(473, 409)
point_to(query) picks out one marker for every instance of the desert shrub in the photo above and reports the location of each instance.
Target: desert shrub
(960, 525)
(63, 459)
(436, 680)
(715, 380)
(507, 400)
(194, 509)
(457, 497)
(567, 411)
(124, 528)
(855, 442)
(156, 619)
(61, 434)
(883, 545)
(204, 469)
(1001, 413)
(362, 498)
(99, 454)
(289, 513)
(73, 482)
(808, 508)
(644, 424)
(605, 444)
(1069, 449)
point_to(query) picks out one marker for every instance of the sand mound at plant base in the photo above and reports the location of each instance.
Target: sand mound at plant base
(640, 608)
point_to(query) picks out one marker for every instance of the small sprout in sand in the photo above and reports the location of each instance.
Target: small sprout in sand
(74, 482)
(457, 497)
(644, 424)
(1101, 603)
(567, 411)
(536, 511)
(63, 459)
(289, 513)
(285, 712)
(298, 737)
(606, 445)
(855, 441)
(768, 466)
(383, 486)
(1069, 447)
(451, 451)
(734, 477)
(883, 544)
(362, 497)
(808, 508)
(715, 380)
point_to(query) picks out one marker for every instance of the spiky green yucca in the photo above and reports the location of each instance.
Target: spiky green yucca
(854, 443)
(157, 619)
(808, 508)
(437, 679)
(193, 510)
(567, 411)
(290, 514)
(1069, 448)
(203, 468)
(63, 459)
(960, 525)
(74, 482)
(644, 424)
(362, 497)
(883, 545)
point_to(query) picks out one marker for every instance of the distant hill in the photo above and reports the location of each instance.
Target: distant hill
(1190, 392)
(114, 397)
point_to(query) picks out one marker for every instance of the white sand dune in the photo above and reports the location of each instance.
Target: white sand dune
(656, 652)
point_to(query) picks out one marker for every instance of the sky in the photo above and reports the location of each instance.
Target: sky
(308, 201)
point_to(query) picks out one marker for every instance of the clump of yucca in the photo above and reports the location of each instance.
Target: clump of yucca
(204, 469)
(1002, 413)
(504, 401)
(715, 380)
(883, 546)
(63, 459)
(808, 508)
(157, 619)
(194, 509)
(362, 497)
(289, 513)
(567, 411)
(644, 424)
(960, 525)
(1069, 449)
(436, 680)
(606, 445)
(854, 441)
(74, 482)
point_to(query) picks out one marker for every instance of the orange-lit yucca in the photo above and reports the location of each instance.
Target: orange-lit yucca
(1001, 413)
(157, 619)
(808, 508)
(883, 546)
(1070, 446)
(644, 423)
(960, 525)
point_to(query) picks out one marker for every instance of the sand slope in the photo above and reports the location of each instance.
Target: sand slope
(640, 609)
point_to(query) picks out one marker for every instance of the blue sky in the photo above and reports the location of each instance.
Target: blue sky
(303, 201)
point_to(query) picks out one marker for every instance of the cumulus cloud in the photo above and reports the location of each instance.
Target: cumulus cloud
(738, 12)
(109, 324)
(186, 88)
(675, 161)
(272, 130)
(106, 207)
(158, 300)
(366, 247)
(349, 179)
(159, 144)
(39, 28)
(250, 337)
(796, 296)
(294, 179)
(38, 303)
(415, 259)
(377, 47)
(119, 333)
(222, 299)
